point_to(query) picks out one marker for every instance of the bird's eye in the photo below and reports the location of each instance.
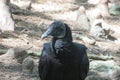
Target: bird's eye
(58, 32)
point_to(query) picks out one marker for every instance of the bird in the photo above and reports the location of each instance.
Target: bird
(62, 59)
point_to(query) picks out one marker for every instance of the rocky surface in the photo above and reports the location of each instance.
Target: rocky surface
(30, 24)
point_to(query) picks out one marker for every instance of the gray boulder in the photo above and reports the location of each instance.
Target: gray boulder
(17, 53)
(114, 9)
(116, 75)
(103, 70)
(99, 30)
(27, 65)
(95, 75)
(82, 20)
(104, 66)
(30, 66)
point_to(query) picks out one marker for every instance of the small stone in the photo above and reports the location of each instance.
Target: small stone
(17, 53)
(116, 75)
(97, 29)
(28, 65)
(82, 20)
(114, 9)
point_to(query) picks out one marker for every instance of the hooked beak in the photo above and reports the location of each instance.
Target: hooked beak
(46, 34)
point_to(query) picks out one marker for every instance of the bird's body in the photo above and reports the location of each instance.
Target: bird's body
(62, 59)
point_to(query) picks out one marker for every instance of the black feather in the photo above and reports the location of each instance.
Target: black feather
(63, 60)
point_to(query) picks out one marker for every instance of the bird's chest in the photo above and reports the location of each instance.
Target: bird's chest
(63, 51)
(61, 47)
(64, 57)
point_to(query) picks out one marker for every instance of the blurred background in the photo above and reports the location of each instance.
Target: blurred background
(94, 23)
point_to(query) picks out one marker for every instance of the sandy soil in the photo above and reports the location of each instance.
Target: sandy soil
(29, 27)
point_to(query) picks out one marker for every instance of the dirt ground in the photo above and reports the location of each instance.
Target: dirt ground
(30, 24)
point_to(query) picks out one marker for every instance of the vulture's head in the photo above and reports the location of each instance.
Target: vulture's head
(58, 30)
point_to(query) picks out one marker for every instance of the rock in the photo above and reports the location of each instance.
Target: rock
(96, 2)
(10, 53)
(98, 76)
(93, 1)
(82, 20)
(104, 66)
(35, 69)
(84, 38)
(27, 65)
(6, 20)
(14, 7)
(20, 54)
(93, 13)
(13, 55)
(7, 58)
(103, 70)
(114, 9)
(98, 30)
(17, 53)
(23, 4)
(101, 10)
(116, 75)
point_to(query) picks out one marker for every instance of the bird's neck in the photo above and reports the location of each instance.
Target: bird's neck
(60, 43)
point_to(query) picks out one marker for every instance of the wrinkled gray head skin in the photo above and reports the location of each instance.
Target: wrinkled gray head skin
(57, 29)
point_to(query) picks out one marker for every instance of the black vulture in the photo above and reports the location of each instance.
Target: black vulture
(62, 59)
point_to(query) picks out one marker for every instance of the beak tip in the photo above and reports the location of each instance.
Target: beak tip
(42, 37)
